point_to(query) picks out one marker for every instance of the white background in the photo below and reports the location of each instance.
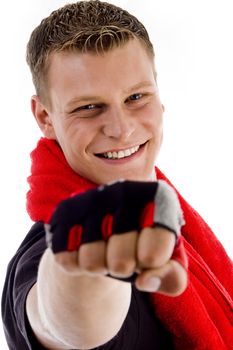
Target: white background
(194, 55)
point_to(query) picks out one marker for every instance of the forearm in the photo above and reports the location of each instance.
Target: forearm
(75, 311)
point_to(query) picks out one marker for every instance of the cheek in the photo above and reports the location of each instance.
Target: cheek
(155, 125)
(159, 137)
(159, 130)
(75, 136)
(155, 121)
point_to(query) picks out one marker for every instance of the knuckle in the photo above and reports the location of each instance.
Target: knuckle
(89, 266)
(93, 267)
(151, 259)
(67, 261)
(181, 282)
(176, 288)
(155, 247)
(176, 281)
(92, 257)
(122, 267)
(148, 259)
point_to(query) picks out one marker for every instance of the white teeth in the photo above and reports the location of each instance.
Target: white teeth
(109, 155)
(127, 153)
(121, 154)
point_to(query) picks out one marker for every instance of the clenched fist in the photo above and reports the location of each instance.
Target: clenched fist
(127, 230)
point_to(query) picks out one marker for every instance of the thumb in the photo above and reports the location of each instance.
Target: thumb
(169, 279)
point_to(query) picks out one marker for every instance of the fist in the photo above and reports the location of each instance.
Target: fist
(127, 230)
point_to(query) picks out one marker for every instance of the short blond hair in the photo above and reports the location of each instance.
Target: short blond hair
(84, 26)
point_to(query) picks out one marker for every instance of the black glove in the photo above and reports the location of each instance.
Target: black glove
(117, 208)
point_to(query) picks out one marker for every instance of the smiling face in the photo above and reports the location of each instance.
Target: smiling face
(105, 112)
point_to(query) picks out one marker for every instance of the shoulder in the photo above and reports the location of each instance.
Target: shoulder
(21, 275)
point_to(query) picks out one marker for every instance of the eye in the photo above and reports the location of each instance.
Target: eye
(87, 107)
(134, 97)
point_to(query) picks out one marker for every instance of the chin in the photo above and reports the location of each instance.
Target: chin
(129, 177)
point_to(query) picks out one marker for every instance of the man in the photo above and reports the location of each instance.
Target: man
(98, 106)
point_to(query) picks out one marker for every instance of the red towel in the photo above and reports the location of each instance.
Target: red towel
(202, 317)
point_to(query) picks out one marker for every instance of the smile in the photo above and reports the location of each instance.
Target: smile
(120, 154)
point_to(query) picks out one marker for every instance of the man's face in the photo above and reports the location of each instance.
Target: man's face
(106, 113)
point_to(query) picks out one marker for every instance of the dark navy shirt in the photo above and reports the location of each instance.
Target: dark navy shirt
(141, 329)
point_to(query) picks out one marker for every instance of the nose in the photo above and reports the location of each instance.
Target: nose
(118, 124)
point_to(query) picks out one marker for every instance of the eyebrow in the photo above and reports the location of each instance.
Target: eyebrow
(142, 84)
(95, 98)
(82, 99)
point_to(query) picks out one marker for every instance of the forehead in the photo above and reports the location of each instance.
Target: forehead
(73, 73)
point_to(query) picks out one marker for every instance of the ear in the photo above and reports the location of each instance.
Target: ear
(42, 117)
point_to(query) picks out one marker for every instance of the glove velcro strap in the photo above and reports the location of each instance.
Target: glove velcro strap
(75, 238)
